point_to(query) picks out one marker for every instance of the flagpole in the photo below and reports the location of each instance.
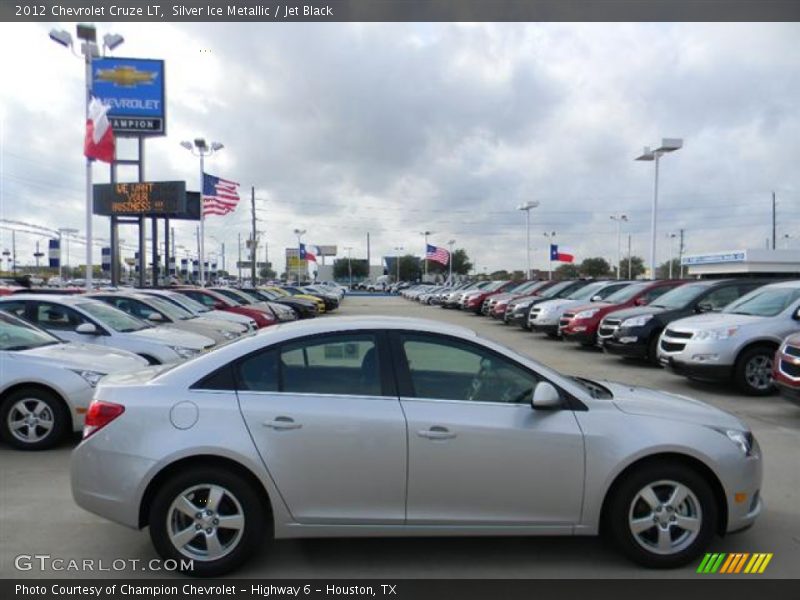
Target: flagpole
(87, 52)
(202, 224)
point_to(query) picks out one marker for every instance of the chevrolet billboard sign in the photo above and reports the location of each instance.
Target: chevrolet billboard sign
(133, 88)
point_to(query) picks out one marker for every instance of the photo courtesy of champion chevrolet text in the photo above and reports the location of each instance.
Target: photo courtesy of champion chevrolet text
(399, 299)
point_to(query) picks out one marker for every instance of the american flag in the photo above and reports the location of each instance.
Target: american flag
(219, 195)
(437, 254)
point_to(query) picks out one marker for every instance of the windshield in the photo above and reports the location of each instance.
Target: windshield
(189, 304)
(764, 302)
(15, 334)
(113, 317)
(680, 296)
(552, 291)
(174, 312)
(494, 285)
(626, 293)
(588, 291)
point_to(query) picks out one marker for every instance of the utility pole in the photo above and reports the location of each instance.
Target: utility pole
(14, 252)
(254, 243)
(368, 255)
(630, 267)
(680, 252)
(773, 220)
(425, 255)
(239, 262)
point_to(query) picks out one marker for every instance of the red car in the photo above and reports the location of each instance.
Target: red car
(580, 324)
(217, 301)
(473, 300)
(786, 369)
(497, 309)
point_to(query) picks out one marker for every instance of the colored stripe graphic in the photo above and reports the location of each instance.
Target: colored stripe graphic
(724, 563)
(741, 562)
(727, 565)
(702, 567)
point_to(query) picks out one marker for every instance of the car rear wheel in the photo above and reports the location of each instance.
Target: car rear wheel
(662, 516)
(33, 419)
(210, 517)
(753, 371)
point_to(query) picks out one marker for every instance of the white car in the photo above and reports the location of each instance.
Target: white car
(201, 310)
(46, 385)
(79, 319)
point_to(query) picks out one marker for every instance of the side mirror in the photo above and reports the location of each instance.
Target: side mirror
(86, 329)
(545, 396)
(640, 302)
(704, 307)
(596, 298)
(155, 317)
(218, 305)
(796, 315)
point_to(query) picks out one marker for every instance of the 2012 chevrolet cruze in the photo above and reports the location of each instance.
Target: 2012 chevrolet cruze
(382, 426)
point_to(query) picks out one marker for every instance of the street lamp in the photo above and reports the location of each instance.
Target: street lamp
(425, 234)
(619, 219)
(451, 243)
(89, 49)
(527, 208)
(550, 239)
(349, 267)
(667, 145)
(300, 233)
(397, 250)
(200, 148)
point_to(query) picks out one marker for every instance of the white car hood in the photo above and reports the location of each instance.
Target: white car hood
(651, 403)
(171, 336)
(557, 303)
(713, 321)
(91, 357)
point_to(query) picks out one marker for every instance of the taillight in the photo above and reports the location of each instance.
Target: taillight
(99, 415)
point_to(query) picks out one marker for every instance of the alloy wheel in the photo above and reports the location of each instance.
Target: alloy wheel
(758, 372)
(30, 420)
(665, 517)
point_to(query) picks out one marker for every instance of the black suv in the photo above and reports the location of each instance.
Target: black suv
(634, 332)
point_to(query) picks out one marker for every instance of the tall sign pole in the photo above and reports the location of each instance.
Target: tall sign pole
(202, 224)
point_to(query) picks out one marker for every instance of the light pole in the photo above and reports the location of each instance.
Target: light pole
(550, 239)
(89, 49)
(200, 148)
(451, 243)
(667, 145)
(619, 218)
(349, 267)
(786, 237)
(425, 256)
(63, 235)
(397, 250)
(299, 233)
(672, 237)
(527, 208)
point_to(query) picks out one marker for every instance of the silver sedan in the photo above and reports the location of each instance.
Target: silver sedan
(383, 426)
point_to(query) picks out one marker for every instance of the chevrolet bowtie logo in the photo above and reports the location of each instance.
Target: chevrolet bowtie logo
(735, 563)
(126, 76)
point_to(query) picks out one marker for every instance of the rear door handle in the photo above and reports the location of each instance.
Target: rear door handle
(436, 433)
(282, 424)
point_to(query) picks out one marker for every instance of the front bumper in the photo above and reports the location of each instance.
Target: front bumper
(697, 370)
(548, 328)
(575, 334)
(629, 349)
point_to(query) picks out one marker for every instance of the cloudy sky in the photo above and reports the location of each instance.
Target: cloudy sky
(392, 129)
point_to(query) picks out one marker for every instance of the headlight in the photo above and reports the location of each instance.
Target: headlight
(91, 377)
(184, 352)
(636, 321)
(715, 334)
(587, 314)
(228, 335)
(743, 439)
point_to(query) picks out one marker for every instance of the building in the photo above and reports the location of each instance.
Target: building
(743, 263)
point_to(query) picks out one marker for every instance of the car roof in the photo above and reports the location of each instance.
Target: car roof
(68, 299)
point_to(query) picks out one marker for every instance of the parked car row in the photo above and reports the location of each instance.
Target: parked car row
(717, 330)
(54, 348)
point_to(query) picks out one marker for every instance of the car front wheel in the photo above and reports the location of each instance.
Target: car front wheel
(33, 419)
(662, 516)
(211, 517)
(753, 371)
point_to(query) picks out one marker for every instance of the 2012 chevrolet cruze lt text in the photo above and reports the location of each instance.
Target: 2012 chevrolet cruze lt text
(382, 426)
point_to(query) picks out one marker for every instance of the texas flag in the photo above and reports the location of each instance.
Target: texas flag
(306, 253)
(99, 142)
(562, 254)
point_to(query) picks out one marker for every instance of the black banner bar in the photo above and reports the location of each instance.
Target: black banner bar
(400, 10)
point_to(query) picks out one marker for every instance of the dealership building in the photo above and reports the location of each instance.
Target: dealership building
(762, 262)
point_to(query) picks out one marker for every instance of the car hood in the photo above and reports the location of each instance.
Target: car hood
(557, 303)
(715, 320)
(635, 311)
(91, 357)
(171, 336)
(635, 400)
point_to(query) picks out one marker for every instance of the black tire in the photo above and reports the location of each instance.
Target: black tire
(746, 381)
(244, 544)
(652, 350)
(53, 414)
(621, 506)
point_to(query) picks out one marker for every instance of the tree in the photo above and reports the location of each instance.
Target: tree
(461, 264)
(595, 267)
(503, 274)
(410, 268)
(518, 275)
(637, 267)
(662, 271)
(341, 269)
(267, 272)
(567, 271)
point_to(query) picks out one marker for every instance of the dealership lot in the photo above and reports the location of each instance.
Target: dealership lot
(38, 516)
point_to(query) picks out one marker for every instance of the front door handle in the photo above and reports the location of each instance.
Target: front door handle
(282, 424)
(436, 433)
